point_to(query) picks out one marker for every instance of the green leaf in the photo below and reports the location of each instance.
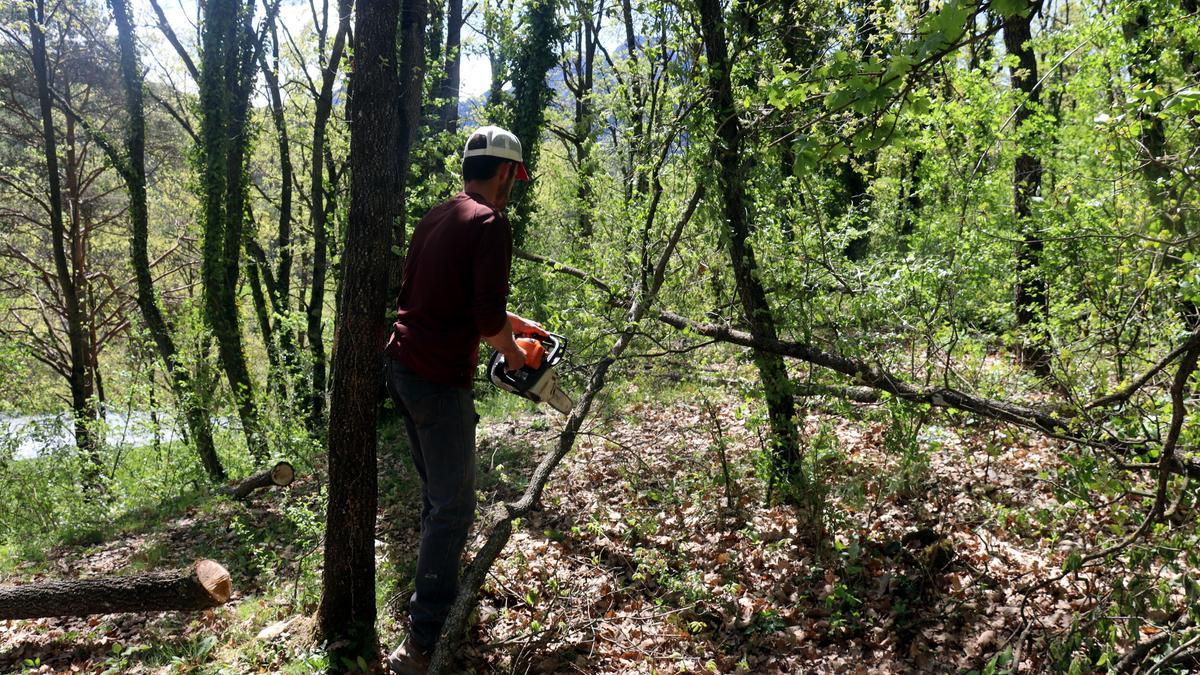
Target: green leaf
(1007, 8)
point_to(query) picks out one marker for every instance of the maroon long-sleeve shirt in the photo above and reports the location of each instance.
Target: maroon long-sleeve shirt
(454, 290)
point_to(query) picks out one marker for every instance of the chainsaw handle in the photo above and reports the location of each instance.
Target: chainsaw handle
(555, 346)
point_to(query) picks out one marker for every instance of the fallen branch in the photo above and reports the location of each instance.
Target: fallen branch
(866, 374)
(200, 586)
(282, 475)
(855, 394)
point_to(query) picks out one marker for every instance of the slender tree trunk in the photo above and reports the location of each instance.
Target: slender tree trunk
(913, 203)
(412, 84)
(318, 218)
(81, 393)
(1162, 192)
(347, 612)
(224, 102)
(77, 238)
(781, 407)
(534, 60)
(587, 40)
(199, 426)
(637, 183)
(1032, 297)
(448, 92)
(282, 292)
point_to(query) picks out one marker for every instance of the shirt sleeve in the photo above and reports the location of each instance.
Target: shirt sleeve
(493, 260)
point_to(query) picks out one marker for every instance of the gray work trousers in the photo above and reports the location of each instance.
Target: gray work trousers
(441, 432)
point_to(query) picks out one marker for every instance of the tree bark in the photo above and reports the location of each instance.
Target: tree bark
(133, 167)
(587, 40)
(203, 585)
(1162, 192)
(224, 94)
(534, 60)
(347, 612)
(318, 216)
(448, 92)
(281, 475)
(80, 386)
(1032, 297)
(412, 83)
(785, 441)
(281, 292)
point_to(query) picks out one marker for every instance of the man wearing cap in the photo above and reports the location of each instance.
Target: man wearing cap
(453, 293)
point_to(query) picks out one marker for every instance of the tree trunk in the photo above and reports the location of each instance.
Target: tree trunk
(281, 475)
(224, 102)
(1032, 298)
(347, 612)
(81, 394)
(412, 84)
(199, 426)
(201, 586)
(636, 181)
(448, 92)
(318, 217)
(785, 441)
(586, 43)
(534, 60)
(282, 291)
(1162, 192)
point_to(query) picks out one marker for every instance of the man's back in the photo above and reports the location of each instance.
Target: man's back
(454, 289)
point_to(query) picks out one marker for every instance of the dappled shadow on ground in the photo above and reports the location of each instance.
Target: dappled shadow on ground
(635, 563)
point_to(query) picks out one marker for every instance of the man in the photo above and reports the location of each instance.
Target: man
(453, 293)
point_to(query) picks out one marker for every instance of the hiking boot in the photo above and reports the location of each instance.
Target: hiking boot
(409, 659)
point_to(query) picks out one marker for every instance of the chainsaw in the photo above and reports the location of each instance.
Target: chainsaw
(536, 382)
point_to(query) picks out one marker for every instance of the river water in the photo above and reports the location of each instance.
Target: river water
(28, 436)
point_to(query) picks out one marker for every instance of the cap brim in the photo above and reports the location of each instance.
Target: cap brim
(522, 174)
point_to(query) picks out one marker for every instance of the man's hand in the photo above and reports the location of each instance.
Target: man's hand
(524, 327)
(503, 342)
(514, 359)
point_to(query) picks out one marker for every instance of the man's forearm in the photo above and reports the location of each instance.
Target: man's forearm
(502, 341)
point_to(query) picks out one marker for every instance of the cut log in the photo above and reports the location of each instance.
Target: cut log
(200, 586)
(282, 474)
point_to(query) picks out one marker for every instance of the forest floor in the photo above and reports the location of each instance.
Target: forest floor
(646, 555)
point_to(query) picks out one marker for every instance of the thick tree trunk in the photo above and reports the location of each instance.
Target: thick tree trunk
(318, 217)
(347, 612)
(1032, 297)
(281, 475)
(81, 393)
(203, 585)
(199, 426)
(781, 407)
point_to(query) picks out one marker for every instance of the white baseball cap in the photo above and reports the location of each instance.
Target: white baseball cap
(496, 142)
